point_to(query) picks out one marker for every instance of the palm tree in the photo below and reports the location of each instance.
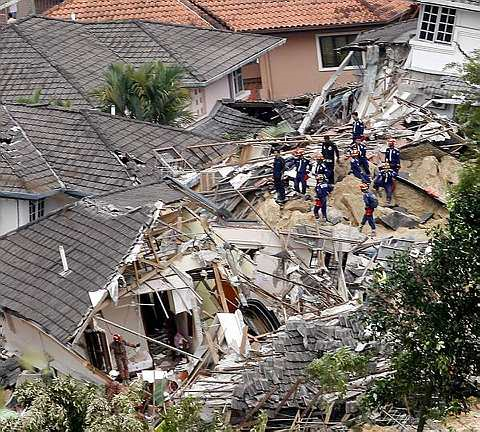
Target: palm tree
(152, 93)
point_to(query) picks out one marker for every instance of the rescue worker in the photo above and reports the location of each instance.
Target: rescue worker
(302, 167)
(357, 126)
(392, 155)
(371, 203)
(359, 146)
(319, 166)
(322, 190)
(330, 152)
(118, 347)
(386, 179)
(356, 169)
(278, 172)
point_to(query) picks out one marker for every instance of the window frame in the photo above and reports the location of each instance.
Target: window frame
(237, 74)
(442, 10)
(36, 209)
(319, 51)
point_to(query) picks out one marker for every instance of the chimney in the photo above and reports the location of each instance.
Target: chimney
(63, 257)
(72, 16)
(112, 110)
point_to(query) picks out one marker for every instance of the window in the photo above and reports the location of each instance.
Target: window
(330, 57)
(237, 81)
(36, 209)
(437, 24)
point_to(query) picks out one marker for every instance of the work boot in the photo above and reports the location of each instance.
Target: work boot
(360, 228)
(374, 233)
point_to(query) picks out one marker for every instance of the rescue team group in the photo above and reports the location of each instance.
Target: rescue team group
(322, 168)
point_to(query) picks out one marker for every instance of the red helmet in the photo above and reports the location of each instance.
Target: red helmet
(363, 187)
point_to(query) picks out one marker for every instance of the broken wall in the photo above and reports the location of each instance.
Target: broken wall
(41, 350)
(127, 314)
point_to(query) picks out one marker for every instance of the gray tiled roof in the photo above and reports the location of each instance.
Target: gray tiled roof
(22, 168)
(225, 122)
(78, 149)
(145, 195)
(398, 32)
(67, 59)
(95, 242)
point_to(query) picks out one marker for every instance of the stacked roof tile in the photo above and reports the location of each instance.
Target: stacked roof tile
(67, 60)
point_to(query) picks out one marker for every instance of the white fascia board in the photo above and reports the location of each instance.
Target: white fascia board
(452, 4)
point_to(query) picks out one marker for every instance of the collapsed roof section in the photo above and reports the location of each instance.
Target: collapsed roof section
(225, 122)
(34, 283)
(71, 58)
(84, 152)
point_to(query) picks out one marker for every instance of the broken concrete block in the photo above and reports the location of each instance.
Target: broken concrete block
(425, 217)
(351, 407)
(348, 199)
(397, 219)
(298, 204)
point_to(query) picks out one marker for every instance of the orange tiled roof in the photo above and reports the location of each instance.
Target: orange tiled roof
(278, 14)
(169, 11)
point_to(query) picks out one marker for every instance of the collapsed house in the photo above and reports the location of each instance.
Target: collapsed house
(81, 153)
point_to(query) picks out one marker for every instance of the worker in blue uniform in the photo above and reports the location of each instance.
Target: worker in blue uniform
(356, 169)
(386, 179)
(330, 153)
(278, 172)
(322, 190)
(392, 155)
(358, 128)
(360, 146)
(319, 166)
(371, 203)
(302, 167)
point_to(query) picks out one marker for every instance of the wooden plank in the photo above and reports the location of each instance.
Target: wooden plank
(287, 396)
(243, 343)
(260, 403)
(211, 347)
(219, 286)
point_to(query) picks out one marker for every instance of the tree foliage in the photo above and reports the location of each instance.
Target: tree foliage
(333, 370)
(428, 310)
(185, 416)
(64, 404)
(468, 114)
(152, 93)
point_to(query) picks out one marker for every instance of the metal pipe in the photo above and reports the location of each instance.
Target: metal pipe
(146, 337)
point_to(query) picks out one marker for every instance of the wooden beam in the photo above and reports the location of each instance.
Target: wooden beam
(219, 286)
(287, 396)
(260, 403)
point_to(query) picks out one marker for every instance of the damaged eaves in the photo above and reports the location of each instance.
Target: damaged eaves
(85, 152)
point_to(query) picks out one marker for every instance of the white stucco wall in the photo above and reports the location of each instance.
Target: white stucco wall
(216, 91)
(28, 341)
(432, 57)
(14, 212)
(127, 314)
